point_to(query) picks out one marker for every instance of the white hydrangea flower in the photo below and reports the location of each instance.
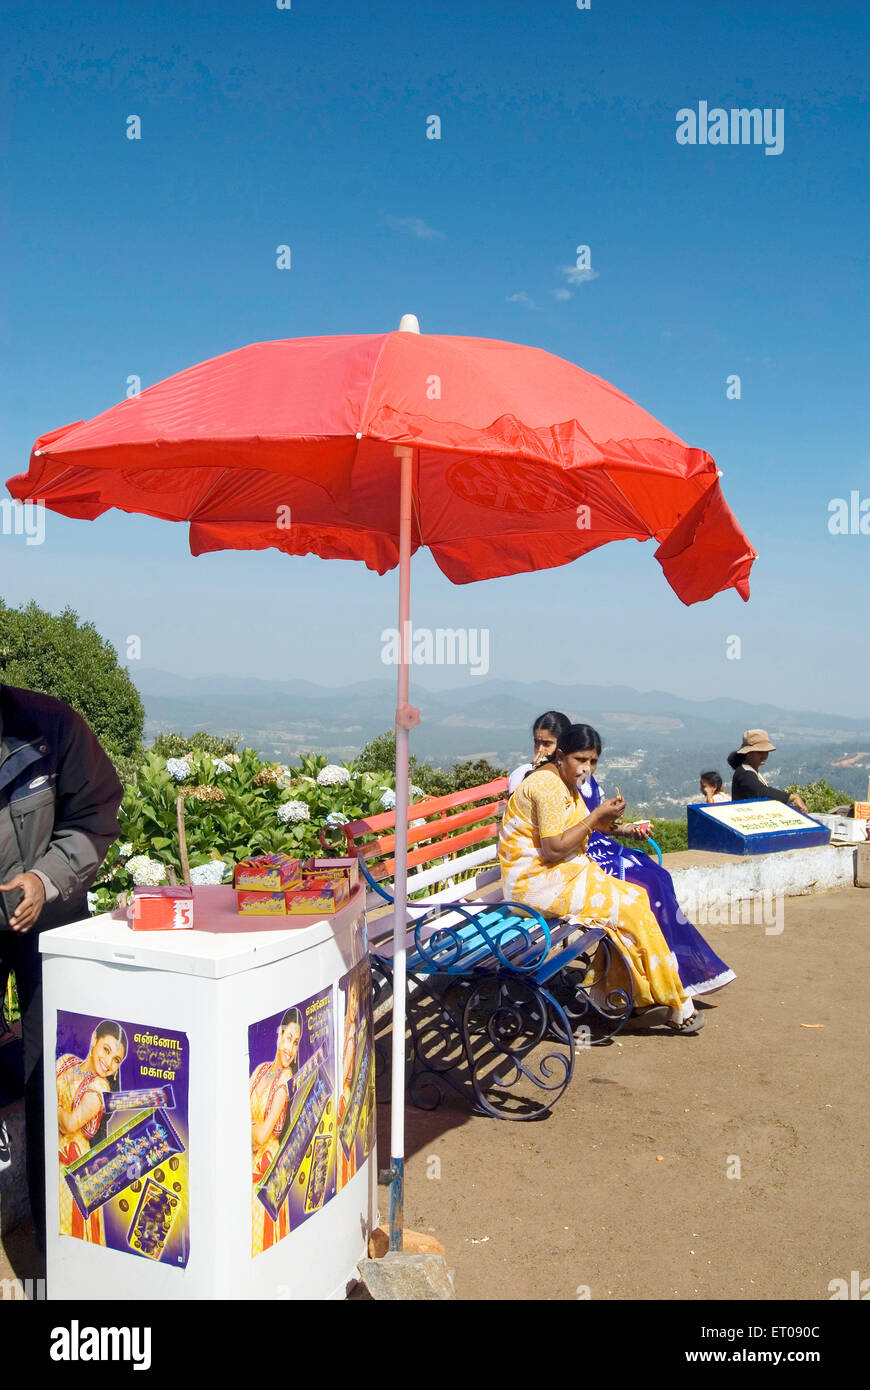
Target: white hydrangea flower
(337, 818)
(146, 872)
(125, 850)
(221, 765)
(293, 811)
(417, 791)
(92, 902)
(178, 768)
(333, 775)
(209, 873)
(388, 800)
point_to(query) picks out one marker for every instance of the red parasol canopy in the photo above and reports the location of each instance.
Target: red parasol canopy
(522, 461)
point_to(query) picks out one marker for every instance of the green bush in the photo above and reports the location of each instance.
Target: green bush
(232, 810)
(435, 781)
(669, 835)
(176, 745)
(820, 796)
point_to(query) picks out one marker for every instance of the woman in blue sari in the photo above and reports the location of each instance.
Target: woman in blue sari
(701, 970)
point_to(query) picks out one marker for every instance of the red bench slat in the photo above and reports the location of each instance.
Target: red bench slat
(443, 847)
(430, 807)
(432, 829)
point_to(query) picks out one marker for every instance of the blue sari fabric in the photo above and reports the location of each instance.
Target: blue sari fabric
(701, 970)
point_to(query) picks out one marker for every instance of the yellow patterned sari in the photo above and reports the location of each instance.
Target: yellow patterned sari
(264, 1087)
(74, 1081)
(578, 891)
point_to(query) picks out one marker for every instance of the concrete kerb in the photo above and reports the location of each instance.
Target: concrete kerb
(706, 883)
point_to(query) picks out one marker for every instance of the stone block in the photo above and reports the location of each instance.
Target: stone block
(406, 1276)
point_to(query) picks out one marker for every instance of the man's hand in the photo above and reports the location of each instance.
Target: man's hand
(28, 910)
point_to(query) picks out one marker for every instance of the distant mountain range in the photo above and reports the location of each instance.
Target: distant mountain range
(655, 743)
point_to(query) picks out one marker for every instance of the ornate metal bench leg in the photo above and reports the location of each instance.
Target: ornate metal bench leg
(600, 1009)
(382, 992)
(519, 1046)
(437, 1052)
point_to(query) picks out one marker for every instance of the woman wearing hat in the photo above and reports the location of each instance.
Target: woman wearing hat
(747, 784)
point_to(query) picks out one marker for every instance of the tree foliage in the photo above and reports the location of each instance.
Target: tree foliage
(380, 755)
(59, 655)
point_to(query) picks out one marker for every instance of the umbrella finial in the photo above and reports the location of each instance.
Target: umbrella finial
(409, 323)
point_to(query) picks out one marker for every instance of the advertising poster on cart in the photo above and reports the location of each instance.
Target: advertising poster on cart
(122, 1125)
(356, 1100)
(293, 1142)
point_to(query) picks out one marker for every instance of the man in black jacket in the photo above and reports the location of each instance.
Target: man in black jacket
(59, 799)
(747, 784)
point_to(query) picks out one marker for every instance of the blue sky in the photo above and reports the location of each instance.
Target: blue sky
(307, 126)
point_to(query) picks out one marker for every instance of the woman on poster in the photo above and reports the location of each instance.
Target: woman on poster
(81, 1085)
(271, 1085)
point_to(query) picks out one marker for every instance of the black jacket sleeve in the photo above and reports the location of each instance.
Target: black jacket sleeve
(86, 813)
(746, 785)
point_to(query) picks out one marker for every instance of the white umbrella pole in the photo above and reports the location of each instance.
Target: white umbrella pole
(406, 718)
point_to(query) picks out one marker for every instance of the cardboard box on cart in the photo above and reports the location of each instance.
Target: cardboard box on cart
(862, 865)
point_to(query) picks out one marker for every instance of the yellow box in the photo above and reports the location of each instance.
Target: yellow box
(254, 902)
(317, 898)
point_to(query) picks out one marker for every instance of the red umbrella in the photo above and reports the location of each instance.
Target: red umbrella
(500, 458)
(523, 461)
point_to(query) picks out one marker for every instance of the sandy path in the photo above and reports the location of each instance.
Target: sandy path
(624, 1189)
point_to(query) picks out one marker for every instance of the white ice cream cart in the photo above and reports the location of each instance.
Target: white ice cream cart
(210, 1112)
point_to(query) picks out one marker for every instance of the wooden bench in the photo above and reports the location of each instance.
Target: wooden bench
(497, 994)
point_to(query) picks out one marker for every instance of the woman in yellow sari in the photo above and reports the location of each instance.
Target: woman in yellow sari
(81, 1085)
(541, 851)
(271, 1085)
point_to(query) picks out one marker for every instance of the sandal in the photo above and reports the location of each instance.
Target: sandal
(689, 1025)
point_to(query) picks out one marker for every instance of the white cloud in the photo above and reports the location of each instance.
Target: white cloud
(415, 226)
(522, 298)
(561, 294)
(576, 276)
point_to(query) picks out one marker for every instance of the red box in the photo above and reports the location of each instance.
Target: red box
(270, 872)
(162, 909)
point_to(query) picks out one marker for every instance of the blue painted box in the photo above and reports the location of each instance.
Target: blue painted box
(752, 827)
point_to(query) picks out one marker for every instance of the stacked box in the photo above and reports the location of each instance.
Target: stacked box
(317, 897)
(269, 872)
(332, 869)
(862, 865)
(254, 902)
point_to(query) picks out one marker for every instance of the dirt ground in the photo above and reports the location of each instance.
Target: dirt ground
(624, 1190)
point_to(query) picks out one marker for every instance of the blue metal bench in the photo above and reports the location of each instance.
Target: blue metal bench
(498, 996)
